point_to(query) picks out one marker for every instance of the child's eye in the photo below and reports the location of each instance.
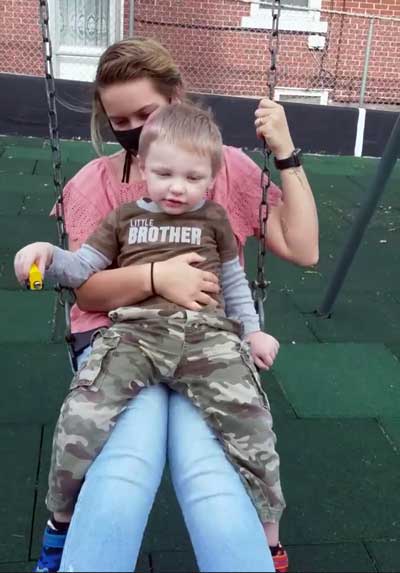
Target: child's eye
(194, 177)
(163, 173)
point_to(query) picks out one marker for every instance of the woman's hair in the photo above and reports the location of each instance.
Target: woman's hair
(132, 59)
(186, 126)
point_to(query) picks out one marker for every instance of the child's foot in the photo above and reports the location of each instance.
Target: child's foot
(52, 549)
(280, 558)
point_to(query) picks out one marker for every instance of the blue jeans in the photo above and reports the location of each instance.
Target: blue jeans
(115, 501)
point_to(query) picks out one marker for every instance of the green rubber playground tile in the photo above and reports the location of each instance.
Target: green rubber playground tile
(282, 317)
(363, 274)
(71, 169)
(339, 380)
(10, 202)
(280, 405)
(45, 167)
(16, 140)
(20, 567)
(331, 558)
(174, 561)
(391, 427)
(39, 203)
(346, 165)
(16, 166)
(356, 316)
(389, 194)
(284, 321)
(19, 451)
(77, 151)
(340, 479)
(35, 380)
(332, 225)
(394, 347)
(386, 218)
(21, 152)
(338, 191)
(16, 232)
(26, 316)
(386, 555)
(23, 183)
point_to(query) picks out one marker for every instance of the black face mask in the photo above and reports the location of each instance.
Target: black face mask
(128, 138)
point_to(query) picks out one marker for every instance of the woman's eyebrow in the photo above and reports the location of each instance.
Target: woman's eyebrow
(148, 108)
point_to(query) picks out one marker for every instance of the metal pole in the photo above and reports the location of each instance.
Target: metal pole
(131, 17)
(366, 61)
(385, 167)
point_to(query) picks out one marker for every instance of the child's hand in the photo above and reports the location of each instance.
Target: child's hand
(39, 253)
(264, 349)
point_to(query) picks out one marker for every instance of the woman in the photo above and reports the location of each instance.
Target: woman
(134, 78)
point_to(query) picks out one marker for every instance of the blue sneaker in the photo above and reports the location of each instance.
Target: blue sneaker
(52, 549)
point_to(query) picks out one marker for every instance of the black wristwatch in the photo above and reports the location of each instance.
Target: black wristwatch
(293, 160)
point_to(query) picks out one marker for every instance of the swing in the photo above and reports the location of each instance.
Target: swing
(66, 296)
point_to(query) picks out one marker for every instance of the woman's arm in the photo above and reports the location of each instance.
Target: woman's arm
(175, 279)
(292, 227)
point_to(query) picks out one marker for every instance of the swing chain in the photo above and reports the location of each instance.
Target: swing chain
(260, 284)
(66, 296)
(274, 47)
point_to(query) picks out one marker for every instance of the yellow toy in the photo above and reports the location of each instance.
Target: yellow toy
(35, 281)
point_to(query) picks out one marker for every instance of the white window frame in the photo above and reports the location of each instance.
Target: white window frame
(289, 21)
(323, 94)
(85, 53)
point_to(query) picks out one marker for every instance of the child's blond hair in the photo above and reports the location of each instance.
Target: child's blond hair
(186, 126)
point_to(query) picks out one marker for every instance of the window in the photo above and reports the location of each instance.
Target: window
(303, 3)
(290, 20)
(80, 31)
(301, 95)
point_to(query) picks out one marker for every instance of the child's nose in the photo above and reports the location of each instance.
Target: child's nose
(177, 187)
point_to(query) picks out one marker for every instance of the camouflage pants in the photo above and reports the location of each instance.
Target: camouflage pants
(197, 354)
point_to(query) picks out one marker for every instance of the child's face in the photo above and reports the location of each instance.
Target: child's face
(177, 179)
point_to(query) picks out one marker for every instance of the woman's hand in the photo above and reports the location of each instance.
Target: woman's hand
(39, 253)
(271, 124)
(180, 282)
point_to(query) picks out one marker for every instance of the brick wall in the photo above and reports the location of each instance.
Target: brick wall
(216, 55)
(235, 61)
(20, 37)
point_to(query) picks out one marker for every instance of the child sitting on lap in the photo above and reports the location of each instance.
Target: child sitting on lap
(208, 355)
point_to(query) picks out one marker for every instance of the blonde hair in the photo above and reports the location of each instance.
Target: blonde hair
(132, 59)
(187, 126)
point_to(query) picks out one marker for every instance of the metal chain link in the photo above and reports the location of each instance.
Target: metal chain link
(66, 296)
(260, 284)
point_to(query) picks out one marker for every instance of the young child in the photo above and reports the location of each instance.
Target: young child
(208, 355)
